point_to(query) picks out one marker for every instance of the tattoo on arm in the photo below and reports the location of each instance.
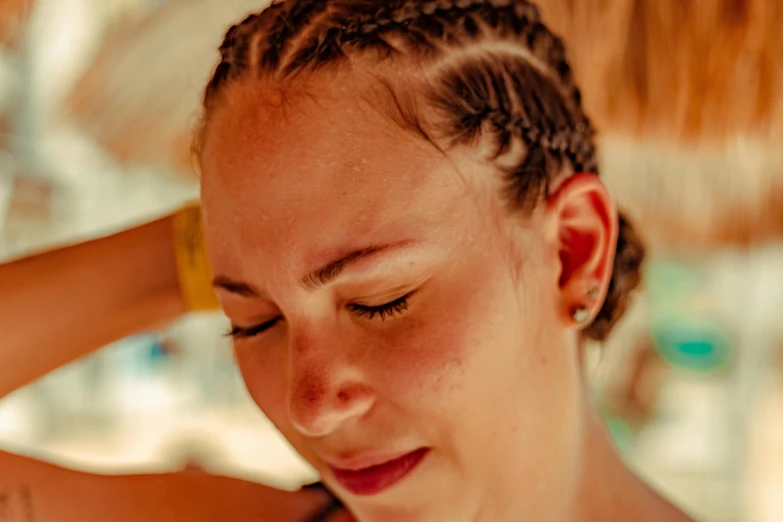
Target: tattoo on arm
(16, 505)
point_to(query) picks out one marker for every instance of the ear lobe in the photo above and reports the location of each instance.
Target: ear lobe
(586, 221)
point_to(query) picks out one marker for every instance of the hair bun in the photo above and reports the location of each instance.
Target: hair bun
(626, 276)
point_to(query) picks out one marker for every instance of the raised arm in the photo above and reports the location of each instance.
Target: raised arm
(32, 491)
(60, 305)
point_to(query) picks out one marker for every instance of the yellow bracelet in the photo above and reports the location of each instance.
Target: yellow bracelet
(195, 276)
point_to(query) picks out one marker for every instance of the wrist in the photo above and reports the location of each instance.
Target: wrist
(192, 263)
(150, 259)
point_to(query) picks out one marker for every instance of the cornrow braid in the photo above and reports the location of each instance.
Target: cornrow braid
(235, 49)
(572, 142)
(507, 99)
(293, 19)
(426, 26)
(281, 21)
(491, 68)
(430, 26)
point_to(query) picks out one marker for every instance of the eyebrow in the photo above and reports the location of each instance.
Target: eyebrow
(318, 277)
(236, 287)
(330, 271)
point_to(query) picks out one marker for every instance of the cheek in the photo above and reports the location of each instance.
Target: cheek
(417, 361)
(451, 345)
(481, 354)
(264, 372)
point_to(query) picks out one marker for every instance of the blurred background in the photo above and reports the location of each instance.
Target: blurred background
(98, 99)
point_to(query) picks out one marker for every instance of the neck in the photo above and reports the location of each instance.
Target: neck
(607, 490)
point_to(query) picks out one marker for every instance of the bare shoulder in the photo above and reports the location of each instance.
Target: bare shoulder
(34, 491)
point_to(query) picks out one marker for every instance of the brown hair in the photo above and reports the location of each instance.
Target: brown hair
(511, 84)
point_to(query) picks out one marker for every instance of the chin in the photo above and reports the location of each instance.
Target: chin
(409, 514)
(398, 516)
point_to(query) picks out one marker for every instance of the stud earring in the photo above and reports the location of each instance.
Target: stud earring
(581, 315)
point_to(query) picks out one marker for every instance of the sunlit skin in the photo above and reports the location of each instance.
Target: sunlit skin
(480, 363)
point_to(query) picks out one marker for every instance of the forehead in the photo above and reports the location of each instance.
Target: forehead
(317, 174)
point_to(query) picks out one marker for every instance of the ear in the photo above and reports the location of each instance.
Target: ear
(585, 219)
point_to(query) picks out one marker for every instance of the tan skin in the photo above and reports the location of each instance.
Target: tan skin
(123, 284)
(480, 366)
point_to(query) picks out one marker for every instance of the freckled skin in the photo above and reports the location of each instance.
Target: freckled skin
(479, 367)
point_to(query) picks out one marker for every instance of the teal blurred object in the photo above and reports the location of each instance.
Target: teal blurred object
(702, 350)
(684, 332)
(621, 433)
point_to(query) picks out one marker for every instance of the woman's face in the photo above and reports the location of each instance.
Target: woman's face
(389, 312)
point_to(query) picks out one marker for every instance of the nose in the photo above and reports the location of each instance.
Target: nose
(325, 388)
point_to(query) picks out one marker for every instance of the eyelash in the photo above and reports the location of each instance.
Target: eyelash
(383, 311)
(238, 332)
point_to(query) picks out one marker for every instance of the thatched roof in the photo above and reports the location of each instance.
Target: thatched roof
(701, 80)
(141, 97)
(683, 71)
(694, 198)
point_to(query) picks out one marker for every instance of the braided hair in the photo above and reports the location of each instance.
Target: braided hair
(493, 71)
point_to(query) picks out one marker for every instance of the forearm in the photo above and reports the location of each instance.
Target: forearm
(60, 305)
(38, 492)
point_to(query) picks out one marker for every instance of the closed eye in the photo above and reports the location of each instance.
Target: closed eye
(241, 332)
(384, 311)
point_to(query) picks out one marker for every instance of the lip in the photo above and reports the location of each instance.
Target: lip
(372, 475)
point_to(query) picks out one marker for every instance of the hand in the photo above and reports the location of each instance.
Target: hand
(341, 515)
